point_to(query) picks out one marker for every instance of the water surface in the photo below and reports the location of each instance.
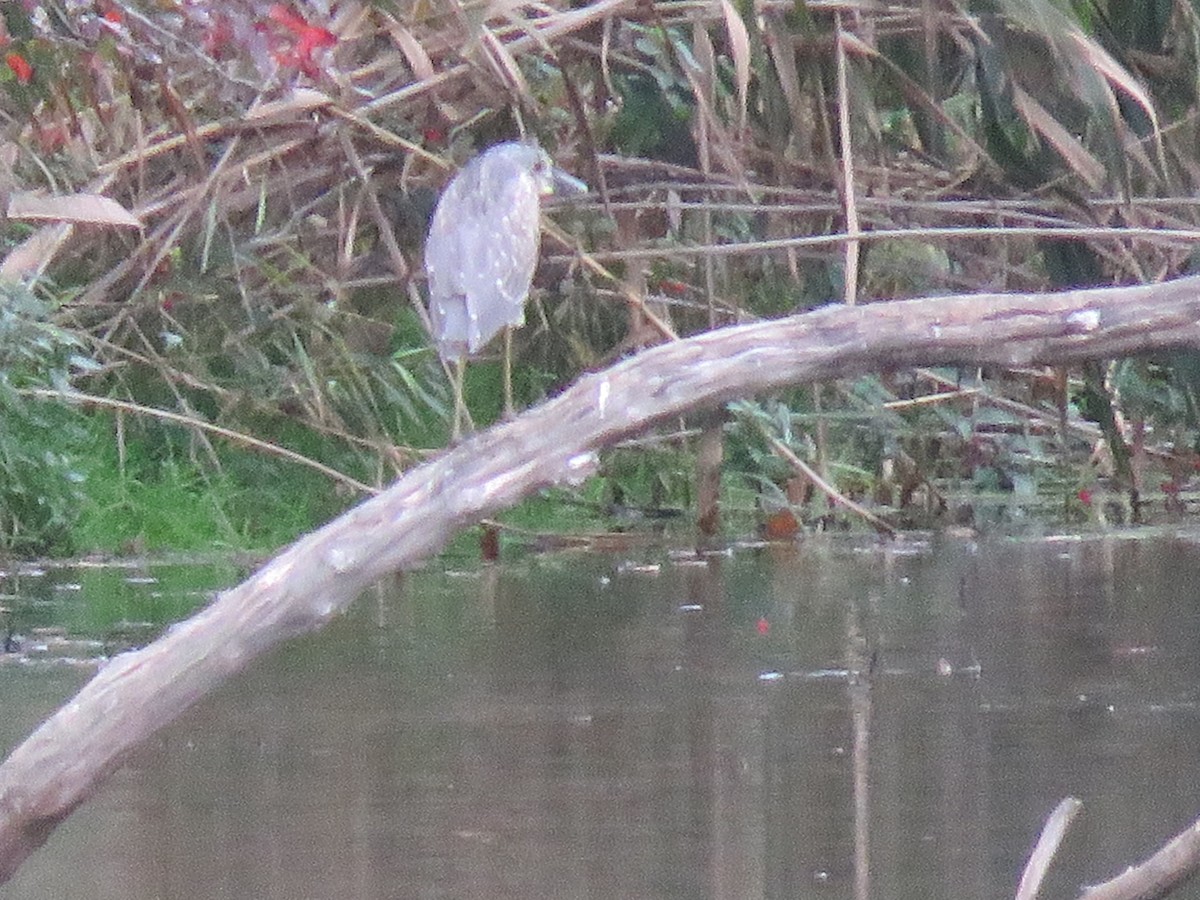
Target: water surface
(831, 719)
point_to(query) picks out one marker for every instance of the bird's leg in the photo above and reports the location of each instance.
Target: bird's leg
(462, 415)
(509, 412)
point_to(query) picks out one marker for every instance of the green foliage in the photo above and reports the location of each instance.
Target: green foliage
(653, 121)
(163, 496)
(656, 111)
(40, 441)
(39, 475)
(649, 478)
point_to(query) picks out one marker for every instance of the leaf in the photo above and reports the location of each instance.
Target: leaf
(418, 60)
(739, 49)
(504, 64)
(1085, 165)
(783, 53)
(705, 64)
(33, 255)
(1115, 73)
(300, 102)
(90, 209)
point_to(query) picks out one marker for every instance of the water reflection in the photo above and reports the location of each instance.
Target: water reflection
(837, 719)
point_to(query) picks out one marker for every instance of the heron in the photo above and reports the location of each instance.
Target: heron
(481, 254)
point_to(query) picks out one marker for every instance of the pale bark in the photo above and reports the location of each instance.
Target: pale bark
(312, 581)
(1157, 876)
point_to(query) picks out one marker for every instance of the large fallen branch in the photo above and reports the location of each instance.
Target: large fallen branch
(306, 585)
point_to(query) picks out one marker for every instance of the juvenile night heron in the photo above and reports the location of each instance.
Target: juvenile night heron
(482, 251)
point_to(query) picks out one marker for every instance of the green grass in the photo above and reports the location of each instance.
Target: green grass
(164, 500)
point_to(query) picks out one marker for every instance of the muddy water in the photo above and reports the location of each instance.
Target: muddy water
(837, 719)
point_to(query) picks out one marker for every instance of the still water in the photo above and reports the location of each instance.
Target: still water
(834, 719)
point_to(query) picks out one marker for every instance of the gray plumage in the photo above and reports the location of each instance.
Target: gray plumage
(483, 247)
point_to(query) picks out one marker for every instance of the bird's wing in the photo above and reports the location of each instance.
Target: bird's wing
(448, 251)
(480, 258)
(505, 258)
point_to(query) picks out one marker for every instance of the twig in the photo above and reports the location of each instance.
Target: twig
(589, 262)
(1047, 845)
(850, 295)
(1182, 237)
(824, 486)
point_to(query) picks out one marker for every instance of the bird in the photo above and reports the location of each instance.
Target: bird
(481, 253)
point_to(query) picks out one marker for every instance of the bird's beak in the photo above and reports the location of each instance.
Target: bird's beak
(566, 185)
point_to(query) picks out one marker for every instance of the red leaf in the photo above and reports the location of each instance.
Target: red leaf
(673, 288)
(20, 67)
(281, 14)
(763, 627)
(307, 38)
(219, 37)
(780, 525)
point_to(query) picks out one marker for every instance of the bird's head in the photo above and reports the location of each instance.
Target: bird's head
(516, 158)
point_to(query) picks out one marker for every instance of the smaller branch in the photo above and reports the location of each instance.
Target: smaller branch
(933, 400)
(386, 234)
(1170, 866)
(1176, 236)
(828, 489)
(589, 262)
(852, 246)
(1047, 845)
